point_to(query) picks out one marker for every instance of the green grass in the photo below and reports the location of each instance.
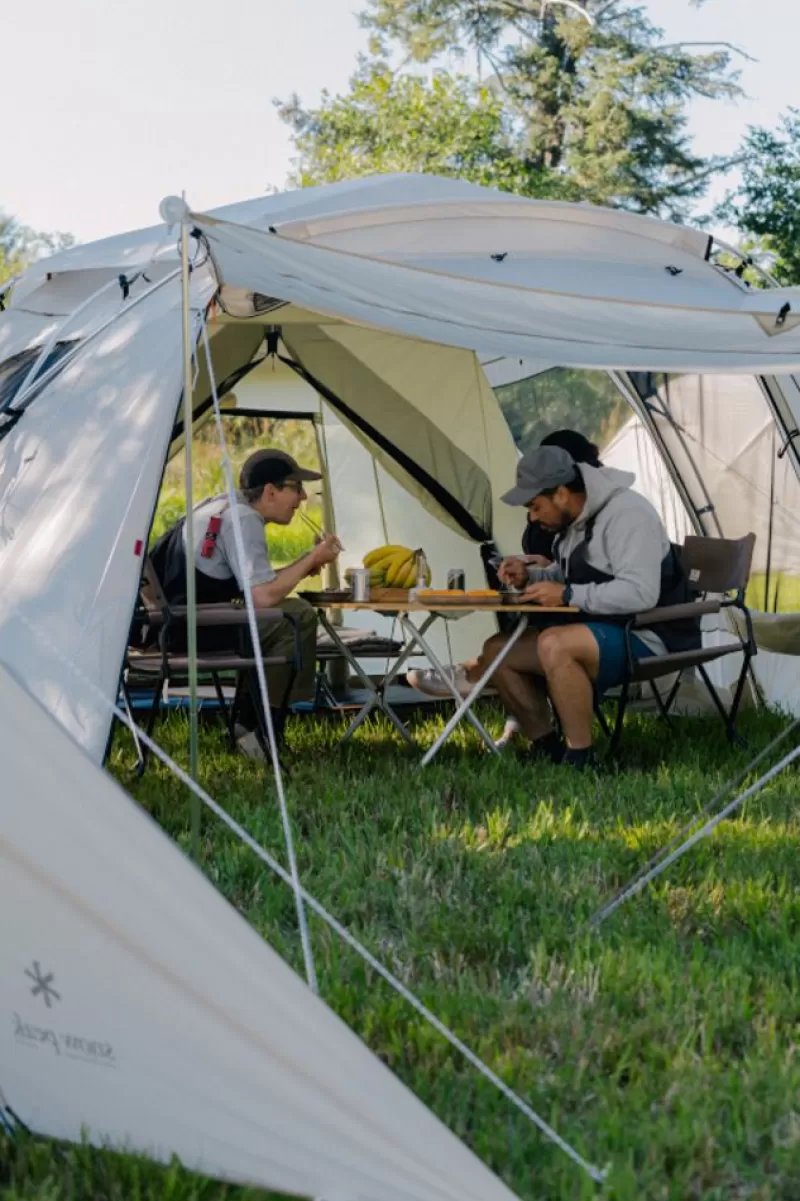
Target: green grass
(667, 1048)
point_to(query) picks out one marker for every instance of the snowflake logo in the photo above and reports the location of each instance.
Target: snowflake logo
(42, 984)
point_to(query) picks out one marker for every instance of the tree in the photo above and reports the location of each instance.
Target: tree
(394, 122)
(20, 245)
(581, 97)
(766, 204)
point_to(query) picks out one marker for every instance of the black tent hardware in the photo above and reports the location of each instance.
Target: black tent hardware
(498, 258)
(126, 282)
(273, 339)
(787, 442)
(674, 270)
(782, 315)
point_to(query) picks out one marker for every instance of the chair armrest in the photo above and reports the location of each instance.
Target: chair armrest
(217, 615)
(675, 613)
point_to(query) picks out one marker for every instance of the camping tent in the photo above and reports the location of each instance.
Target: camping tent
(384, 296)
(139, 1009)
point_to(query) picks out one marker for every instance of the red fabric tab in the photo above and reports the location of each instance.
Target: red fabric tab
(138, 547)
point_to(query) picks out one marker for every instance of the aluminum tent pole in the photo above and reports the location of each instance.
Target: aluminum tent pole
(191, 594)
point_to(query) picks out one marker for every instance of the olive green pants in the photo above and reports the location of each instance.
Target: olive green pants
(279, 639)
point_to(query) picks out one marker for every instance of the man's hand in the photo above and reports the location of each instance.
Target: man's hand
(544, 593)
(326, 550)
(538, 561)
(512, 571)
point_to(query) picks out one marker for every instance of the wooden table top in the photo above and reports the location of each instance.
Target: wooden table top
(465, 607)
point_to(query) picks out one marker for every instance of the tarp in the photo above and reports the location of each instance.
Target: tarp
(580, 293)
(137, 1006)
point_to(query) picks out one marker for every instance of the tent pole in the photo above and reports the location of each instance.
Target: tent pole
(379, 494)
(191, 596)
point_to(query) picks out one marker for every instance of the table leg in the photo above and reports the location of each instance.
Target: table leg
(417, 635)
(378, 699)
(408, 649)
(375, 700)
(465, 706)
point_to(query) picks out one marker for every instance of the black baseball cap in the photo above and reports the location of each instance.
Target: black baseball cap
(273, 467)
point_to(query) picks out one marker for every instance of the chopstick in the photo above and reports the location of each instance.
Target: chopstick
(312, 525)
(316, 530)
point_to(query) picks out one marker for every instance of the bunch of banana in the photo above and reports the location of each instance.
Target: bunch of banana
(394, 567)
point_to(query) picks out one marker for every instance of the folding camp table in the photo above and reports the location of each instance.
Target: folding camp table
(416, 640)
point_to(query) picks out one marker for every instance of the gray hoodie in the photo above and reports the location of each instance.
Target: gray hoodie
(628, 542)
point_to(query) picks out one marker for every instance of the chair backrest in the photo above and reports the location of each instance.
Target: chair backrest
(718, 564)
(151, 592)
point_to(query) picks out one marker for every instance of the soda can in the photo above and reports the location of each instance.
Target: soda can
(456, 579)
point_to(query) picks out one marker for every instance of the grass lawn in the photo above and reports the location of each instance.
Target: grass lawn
(666, 1048)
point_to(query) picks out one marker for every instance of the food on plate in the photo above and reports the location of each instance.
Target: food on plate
(453, 594)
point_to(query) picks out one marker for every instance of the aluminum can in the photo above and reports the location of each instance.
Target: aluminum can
(361, 584)
(456, 579)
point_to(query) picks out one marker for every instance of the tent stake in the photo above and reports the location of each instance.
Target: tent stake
(191, 595)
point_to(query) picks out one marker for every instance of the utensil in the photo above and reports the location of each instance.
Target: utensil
(315, 529)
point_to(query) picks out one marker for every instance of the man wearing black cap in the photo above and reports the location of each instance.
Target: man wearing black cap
(270, 491)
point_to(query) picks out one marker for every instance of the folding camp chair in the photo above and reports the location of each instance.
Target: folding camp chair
(717, 566)
(166, 665)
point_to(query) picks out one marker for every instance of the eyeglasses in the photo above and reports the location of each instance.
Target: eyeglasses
(294, 485)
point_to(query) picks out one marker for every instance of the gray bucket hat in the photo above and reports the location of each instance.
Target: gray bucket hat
(537, 471)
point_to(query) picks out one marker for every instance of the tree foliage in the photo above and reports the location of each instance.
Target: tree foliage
(20, 245)
(766, 204)
(582, 108)
(394, 122)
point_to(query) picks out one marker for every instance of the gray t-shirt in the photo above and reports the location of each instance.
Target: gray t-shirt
(224, 561)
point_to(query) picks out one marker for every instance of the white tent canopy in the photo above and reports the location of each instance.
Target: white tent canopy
(384, 296)
(576, 285)
(140, 1008)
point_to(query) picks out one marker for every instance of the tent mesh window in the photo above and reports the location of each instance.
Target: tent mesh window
(722, 437)
(245, 431)
(562, 398)
(13, 372)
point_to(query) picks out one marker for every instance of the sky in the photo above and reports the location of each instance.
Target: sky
(116, 105)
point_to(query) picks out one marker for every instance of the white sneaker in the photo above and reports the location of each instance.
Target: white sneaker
(431, 683)
(250, 747)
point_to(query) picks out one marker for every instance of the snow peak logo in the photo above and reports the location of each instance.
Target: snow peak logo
(42, 984)
(90, 1050)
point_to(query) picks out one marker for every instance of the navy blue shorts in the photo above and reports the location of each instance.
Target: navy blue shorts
(610, 639)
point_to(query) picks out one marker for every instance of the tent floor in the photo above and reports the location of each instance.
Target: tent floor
(351, 698)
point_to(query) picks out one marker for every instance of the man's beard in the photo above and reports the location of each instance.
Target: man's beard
(564, 521)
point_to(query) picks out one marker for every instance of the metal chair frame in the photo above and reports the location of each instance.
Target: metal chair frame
(170, 666)
(713, 566)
